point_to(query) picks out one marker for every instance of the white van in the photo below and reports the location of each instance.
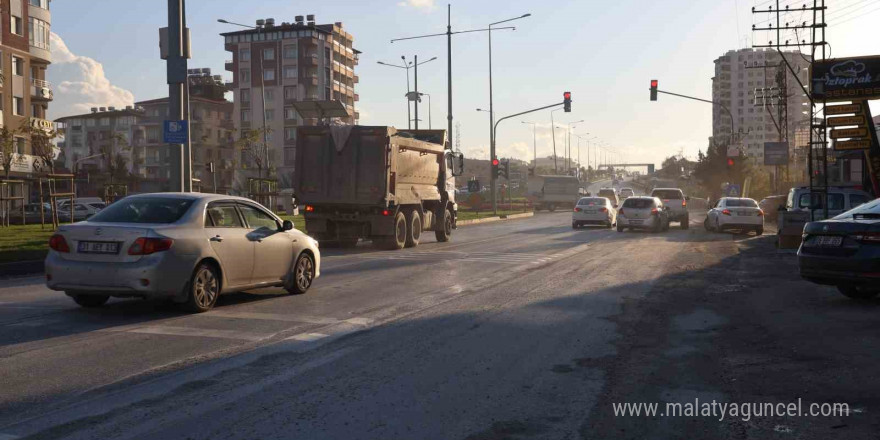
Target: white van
(840, 199)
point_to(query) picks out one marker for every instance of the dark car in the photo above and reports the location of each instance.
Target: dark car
(844, 251)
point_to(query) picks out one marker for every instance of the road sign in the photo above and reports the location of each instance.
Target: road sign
(175, 132)
(842, 109)
(855, 144)
(845, 120)
(848, 133)
(846, 79)
(775, 153)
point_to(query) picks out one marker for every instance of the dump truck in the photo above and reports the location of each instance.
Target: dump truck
(551, 192)
(376, 183)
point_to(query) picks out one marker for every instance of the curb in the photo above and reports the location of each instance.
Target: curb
(19, 268)
(494, 219)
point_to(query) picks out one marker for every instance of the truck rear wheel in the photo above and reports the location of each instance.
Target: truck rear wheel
(398, 240)
(414, 228)
(444, 229)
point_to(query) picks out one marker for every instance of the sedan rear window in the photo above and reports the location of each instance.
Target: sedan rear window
(667, 194)
(868, 208)
(592, 201)
(741, 203)
(638, 203)
(156, 210)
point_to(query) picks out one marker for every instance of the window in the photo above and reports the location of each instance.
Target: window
(835, 201)
(17, 66)
(17, 106)
(15, 25)
(222, 215)
(245, 116)
(290, 133)
(290, 92)
(244, 54)
(289, 156)
(270, 115)
(290, 72)
(270, 95)
(90, 122)
(19, 145)
(38, 33)
(269, 74)
(257, 218)
(290, 51)
(857, 199)
(105, 122)
(244, 76)
(245, 96)
(290, 113)
(269, 54)
(39, 3)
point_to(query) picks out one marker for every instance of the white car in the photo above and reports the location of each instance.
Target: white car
(735, 213)
(593, 211)
(189, 247)
(643, 213)
(626, 193)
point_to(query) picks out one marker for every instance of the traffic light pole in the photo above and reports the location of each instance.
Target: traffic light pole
(731, 140)
(494, 179)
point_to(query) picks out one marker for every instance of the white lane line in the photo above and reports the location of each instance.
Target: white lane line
(206, 333)
(304, 337)
(360, 321)
(272, 317)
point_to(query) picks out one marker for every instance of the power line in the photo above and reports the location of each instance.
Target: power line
(855, 17)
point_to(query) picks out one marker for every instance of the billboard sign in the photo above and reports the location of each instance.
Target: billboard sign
(775, 153)
(843, 109)
(175, 132)
(854, 144)
(840, 121)
(846, 79)
(841, 133)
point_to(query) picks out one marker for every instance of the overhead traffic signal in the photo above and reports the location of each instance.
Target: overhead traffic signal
(566, 101)
(653, 90)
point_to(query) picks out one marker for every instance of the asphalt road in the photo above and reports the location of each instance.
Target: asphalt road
(518, 329)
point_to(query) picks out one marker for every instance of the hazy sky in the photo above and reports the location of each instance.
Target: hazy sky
(106, 53)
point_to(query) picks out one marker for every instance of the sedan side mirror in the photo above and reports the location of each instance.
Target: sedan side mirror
(287, 225)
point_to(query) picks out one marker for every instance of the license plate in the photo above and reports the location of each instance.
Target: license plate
(636, 222)
(590, 211)
(827, 240)
(98, 247)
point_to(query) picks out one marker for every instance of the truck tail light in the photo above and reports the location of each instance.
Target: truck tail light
(310, 208)
(58, 243)
(149, 245)
(386, 212)
(726, 212)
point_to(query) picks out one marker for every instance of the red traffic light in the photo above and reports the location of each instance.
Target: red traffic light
(566, 95)
(654, 83)
(730, 162)
(495, 162)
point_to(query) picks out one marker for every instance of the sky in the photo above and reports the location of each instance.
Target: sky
(106, 52)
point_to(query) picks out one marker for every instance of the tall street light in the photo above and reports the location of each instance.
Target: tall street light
(414, 95)
(491, 103)
(262, 98)
(568, 143)
(429, 108)
(405, 67)
(534, 140)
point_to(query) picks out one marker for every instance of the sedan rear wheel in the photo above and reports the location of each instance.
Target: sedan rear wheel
(303, 274)
(204, 288)
(90, 300)
(858, 292)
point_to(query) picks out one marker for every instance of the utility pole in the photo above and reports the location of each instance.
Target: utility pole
(178, 108)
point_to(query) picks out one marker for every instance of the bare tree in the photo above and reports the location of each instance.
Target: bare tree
(250, 143)
(7, 149)
(113, 156)
(41, 142)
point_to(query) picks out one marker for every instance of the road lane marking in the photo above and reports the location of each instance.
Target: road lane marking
(200, 332)
(306, 337)
(272, 317)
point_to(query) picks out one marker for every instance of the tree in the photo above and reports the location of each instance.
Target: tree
(117, 163)
(41, 142)
(7, 149)
(250, 142)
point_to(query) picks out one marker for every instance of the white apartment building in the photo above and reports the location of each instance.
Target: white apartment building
(301, 61)
(743, 85)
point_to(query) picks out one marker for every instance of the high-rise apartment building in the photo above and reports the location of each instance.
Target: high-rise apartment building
(24, 58)
(750, 82)
(282, 65)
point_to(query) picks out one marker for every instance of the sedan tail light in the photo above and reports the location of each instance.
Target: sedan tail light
(604, 210)
(868, 237)
(726, 212)
(58, 244)
(310, 208)
(684, 203)
(149, 245)
(577, 209)
(620, 212)
(655, 211)
(760, 213)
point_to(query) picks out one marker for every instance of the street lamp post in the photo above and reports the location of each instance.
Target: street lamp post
(262, 99)
(534, 140)
(553, 134)
(429, 108)
(568, 142)
(409, 93)
(406, 67)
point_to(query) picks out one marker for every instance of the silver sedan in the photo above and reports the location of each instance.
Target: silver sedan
(188, 247)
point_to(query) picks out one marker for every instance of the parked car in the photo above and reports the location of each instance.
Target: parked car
(735, 213)
(626, 192)
(32, 214)
(643, 213)
(593, 211)
(770, 205)
(840, 200)
(844, 251)
(675, 200)
(610, 194)
(189, 247)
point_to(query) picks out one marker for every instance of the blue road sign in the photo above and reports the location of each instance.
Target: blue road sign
(175, 132)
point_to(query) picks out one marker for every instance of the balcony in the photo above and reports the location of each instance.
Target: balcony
(41, 90)
(229, 65)
(357, 97)
(356, 79)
